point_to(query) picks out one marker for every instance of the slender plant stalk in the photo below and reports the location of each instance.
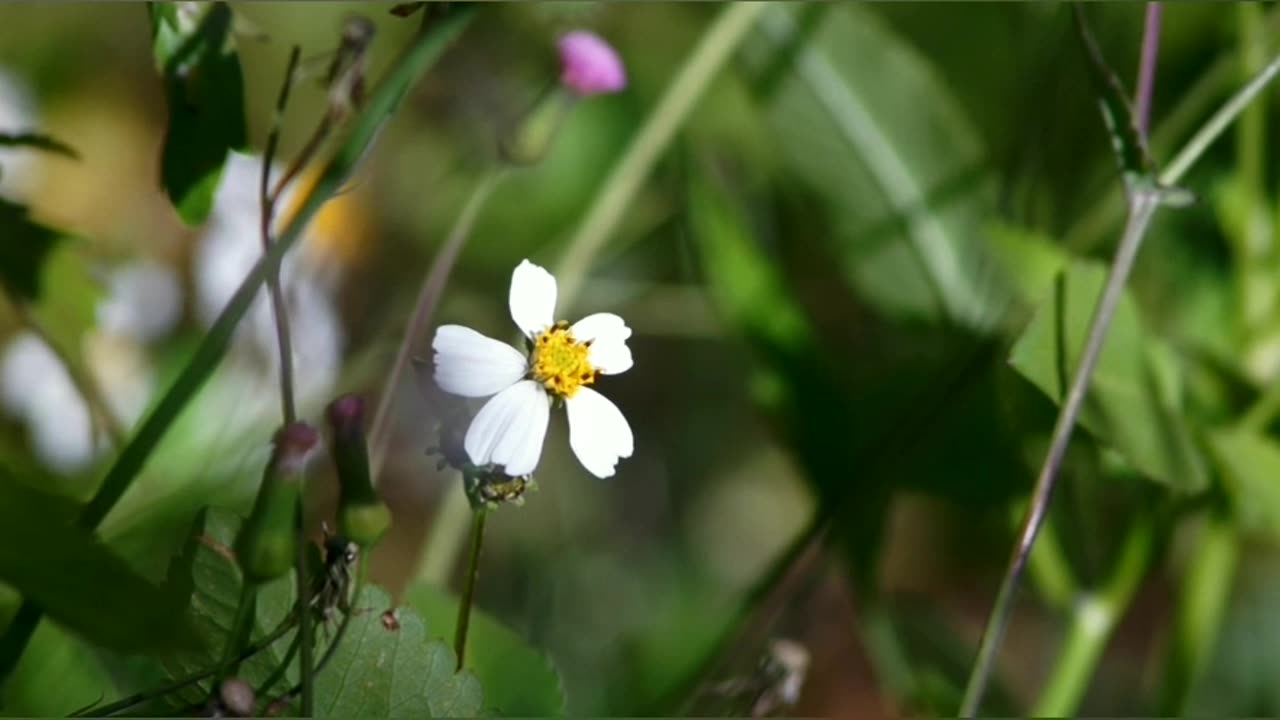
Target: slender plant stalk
(1202, 603)
(241, 631)
(1093, 619)
(1146, 85)
(267, 201)
(1143, 204)
(306, 647)
(469, 590)
(417, 58)
(713, 51)
(423, 309)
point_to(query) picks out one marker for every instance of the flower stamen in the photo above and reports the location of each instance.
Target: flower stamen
(560, 362)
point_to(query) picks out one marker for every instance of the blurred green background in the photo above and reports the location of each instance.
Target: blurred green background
(833, 275)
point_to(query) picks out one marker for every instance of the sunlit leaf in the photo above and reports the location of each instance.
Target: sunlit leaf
(195, 53)
(57, 675)
(519, 680)
(1130, 406)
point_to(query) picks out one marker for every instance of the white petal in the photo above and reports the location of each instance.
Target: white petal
(598, 433)
(608, 335)
(472, 365)
(510, 428)
(533, 298)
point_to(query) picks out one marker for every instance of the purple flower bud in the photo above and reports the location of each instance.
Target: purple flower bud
(590, 65)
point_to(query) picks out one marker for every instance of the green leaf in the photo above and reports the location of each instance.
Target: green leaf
(25, 250)
(204, 87)
(57, 675)
(1132, 404)
(79, 582)
(375, 672)
(1249, 465)
(905, 175)
(519, 680)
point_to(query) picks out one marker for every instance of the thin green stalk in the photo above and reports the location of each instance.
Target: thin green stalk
(1202, 603)
(306, 646)
(469, 590)
(616, 193)
(1050, 569)
(1093, 620)
(241, 630)
(423, 308)
(691, 81)
(1143, 204)
(412, 64)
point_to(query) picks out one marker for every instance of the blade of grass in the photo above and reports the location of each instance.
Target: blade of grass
(411, 65)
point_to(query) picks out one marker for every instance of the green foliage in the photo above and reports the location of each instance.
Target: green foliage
(901, 168)
(1249, 464)
(204, 87)
(59, 674)
(80, 583)
(377, 670)
(1130, 406)
(519, 680)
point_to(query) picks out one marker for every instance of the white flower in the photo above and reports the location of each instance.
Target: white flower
(562, 361)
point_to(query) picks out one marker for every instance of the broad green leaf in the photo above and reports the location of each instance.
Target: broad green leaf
(77, 580)
(905, 175)
(376, 671)
(519, 680)
(1249, 465)
(1130, 405)
(57, 675)
(1031, 260)
(195, 53)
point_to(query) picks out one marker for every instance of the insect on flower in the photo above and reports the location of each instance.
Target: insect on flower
(560, 364)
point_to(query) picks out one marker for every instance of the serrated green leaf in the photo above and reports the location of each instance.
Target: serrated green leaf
(375, 672)
(204, 87)
(519, 680)
(78, 581)
(1129, 405)
(904, 173)
(1249, 465)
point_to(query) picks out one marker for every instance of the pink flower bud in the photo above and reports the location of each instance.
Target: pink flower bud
(590, 65)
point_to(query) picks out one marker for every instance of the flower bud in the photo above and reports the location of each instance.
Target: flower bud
(362, 516)
(589, 65)
(267, 541)
(237, 697)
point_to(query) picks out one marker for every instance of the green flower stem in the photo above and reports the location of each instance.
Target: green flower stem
(1050, 570)
(1093, 619)
(1202, 602)
(306, 646)
(241, 629)
(469, 590)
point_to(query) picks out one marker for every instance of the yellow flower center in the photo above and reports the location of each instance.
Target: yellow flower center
(560, 363)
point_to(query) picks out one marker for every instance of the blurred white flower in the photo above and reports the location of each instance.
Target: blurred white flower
(17, 114)
(144, 301)
(36, 389)
(562, 361)
(231, 245)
